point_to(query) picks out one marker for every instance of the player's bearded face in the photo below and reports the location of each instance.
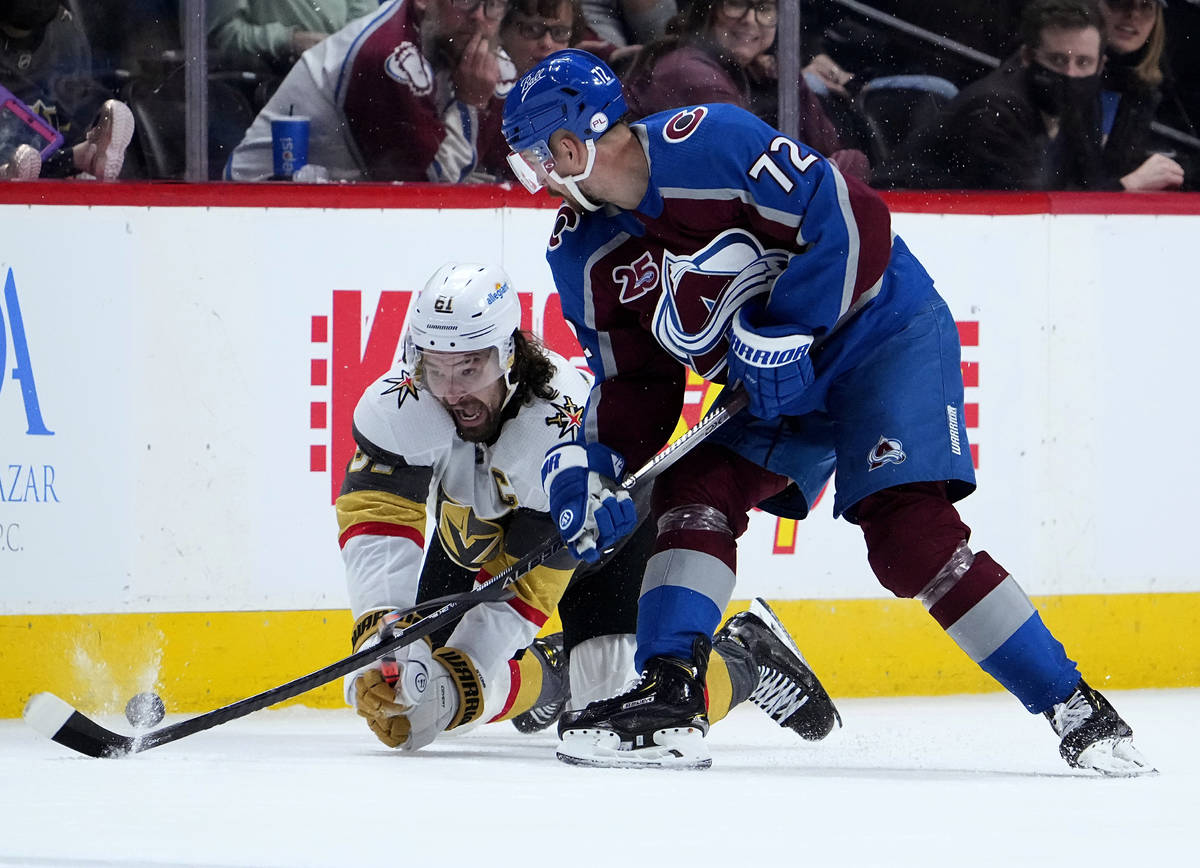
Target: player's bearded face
(467, 385)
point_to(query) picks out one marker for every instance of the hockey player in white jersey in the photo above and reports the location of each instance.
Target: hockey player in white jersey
(459, 427)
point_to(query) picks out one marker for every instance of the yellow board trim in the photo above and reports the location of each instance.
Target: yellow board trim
(201, 661)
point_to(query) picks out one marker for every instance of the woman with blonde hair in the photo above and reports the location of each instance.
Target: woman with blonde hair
(1134, 34)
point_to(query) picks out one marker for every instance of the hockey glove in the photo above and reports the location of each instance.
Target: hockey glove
(409, 698)
(591, 513)
(771, 361)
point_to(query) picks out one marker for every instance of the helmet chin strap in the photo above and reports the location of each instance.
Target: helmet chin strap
(571, 182)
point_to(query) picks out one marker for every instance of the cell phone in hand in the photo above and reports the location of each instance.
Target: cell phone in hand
(19, 125)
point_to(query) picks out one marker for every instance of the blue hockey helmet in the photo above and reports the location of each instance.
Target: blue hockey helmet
(570, 90)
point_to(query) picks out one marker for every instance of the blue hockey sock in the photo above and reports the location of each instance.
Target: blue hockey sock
(1033, 666)
(670, 617)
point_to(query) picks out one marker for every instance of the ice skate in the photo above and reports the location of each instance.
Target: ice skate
(556, 688)
(1094, 736)
(659, 722)
(788, 690)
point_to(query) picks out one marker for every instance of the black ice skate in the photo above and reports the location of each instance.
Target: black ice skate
(556, 686)
(1094, 736)
(659, 722)
(788, 690)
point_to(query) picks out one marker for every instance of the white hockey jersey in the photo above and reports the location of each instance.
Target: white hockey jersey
(488, 509)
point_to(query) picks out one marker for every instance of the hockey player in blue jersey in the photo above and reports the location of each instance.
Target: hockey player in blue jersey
(704, 238)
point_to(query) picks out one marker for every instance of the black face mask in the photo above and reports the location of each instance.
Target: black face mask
(1055, 93)
(28, 14)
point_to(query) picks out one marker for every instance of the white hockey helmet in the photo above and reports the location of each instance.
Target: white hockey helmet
(463, 308)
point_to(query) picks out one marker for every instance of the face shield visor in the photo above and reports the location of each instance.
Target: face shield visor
(535, 164)
(450, 376)
(532, 166)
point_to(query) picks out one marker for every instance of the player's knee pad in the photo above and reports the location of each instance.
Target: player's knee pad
(913, 532)
(700, 528)
(693, 517)
(713, 476)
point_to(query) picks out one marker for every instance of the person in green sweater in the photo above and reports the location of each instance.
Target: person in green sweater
(253, 34)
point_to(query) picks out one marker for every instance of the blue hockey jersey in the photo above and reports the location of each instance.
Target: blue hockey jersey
(652, 290)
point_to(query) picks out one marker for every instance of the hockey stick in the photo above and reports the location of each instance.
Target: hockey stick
(58, 720)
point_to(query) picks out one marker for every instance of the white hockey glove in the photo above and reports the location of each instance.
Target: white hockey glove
(591, 512)
(409, 698)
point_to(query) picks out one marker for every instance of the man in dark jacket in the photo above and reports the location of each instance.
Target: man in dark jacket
(1033, 124)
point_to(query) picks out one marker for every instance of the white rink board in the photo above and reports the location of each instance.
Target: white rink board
(170, 355)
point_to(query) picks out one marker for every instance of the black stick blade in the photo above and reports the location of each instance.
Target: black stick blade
(57, 720)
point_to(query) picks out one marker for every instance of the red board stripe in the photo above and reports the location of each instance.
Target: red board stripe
(447, 196)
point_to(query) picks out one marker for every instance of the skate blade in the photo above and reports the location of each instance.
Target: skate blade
(760, 609)
(1115, 758)
(675, 748)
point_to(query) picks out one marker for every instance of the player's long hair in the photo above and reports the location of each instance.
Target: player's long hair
(533, 369)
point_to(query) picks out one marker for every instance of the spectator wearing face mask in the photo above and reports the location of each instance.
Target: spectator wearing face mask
(1033, 124)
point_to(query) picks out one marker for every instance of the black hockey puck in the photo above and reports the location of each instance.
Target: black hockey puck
(145, 710)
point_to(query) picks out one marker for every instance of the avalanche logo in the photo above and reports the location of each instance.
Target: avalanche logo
(703, 291)
(887, 451)
(682, 125)
(567, 220)
(409, 67)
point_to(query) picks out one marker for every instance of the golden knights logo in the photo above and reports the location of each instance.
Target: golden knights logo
(569, 417)
(470, 541)
(402, 386)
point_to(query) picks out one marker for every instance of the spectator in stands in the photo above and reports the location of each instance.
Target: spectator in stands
(412, 94)
(1033, 124)
(1135, 33)
(272, 34)
(535, 29)
(718, 51)
(46, 63)
(628, 22)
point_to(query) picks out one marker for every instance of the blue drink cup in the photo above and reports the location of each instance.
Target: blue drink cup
(289, 145)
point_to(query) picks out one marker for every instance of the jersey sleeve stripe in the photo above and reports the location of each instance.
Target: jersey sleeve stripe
(774, 215)
(381, 528)
(514, 688)
(529, 612)
(850, 279)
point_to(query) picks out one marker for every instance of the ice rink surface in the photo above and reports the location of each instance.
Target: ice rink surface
(951, 781)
